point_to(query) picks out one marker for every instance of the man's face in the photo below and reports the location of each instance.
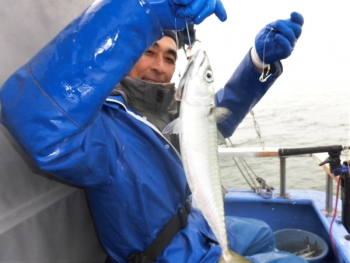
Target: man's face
(157, 64)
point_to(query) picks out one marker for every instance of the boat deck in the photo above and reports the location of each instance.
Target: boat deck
(303, 210)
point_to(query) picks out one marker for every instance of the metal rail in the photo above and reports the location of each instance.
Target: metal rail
(273, 152)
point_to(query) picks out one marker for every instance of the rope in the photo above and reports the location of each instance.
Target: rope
(263, 189)
(257, 129)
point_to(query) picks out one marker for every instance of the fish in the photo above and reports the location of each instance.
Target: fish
(199, 138)
(312, 250)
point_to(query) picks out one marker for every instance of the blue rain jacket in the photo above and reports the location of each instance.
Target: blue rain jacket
(55, 106)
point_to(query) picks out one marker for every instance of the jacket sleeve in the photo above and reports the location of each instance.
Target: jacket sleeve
(242, 92)
(49, 104)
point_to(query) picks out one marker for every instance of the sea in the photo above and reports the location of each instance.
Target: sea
(303, 118)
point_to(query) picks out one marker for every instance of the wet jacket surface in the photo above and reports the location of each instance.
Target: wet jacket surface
(55, 106)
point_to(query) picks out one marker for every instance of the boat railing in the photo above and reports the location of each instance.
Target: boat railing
(274, 152)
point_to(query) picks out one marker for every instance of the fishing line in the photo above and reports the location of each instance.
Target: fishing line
(271, 29)
(267, 75)
(177, 47)
(189, 39)
(177, 39)
(239, 168)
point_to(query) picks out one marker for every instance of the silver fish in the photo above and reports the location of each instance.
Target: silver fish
(197, 129)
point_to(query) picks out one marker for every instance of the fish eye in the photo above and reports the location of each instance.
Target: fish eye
(209, 75)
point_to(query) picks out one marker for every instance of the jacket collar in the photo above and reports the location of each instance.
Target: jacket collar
(145, 96)
(155, 101)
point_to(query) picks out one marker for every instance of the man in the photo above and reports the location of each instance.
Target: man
(55, 106)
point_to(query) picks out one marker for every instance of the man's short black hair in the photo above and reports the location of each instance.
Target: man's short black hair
(171, 33)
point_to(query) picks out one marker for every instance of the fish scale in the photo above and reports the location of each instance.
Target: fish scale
(197, 129)
(198, 141)
(199, 153)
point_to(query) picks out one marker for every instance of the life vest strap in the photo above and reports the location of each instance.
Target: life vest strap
(175, 224)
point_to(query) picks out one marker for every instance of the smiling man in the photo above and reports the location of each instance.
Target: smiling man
(74, 112)
(157, 64)
(147, 88)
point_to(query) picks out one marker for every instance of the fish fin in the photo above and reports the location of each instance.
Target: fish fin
(220, 138)
(173, 127)
(220, 113)
(178, 93)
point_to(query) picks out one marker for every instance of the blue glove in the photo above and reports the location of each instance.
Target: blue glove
(277, 40)
(186, 10)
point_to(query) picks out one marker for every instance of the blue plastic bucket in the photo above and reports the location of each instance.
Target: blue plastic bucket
(302, 243)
